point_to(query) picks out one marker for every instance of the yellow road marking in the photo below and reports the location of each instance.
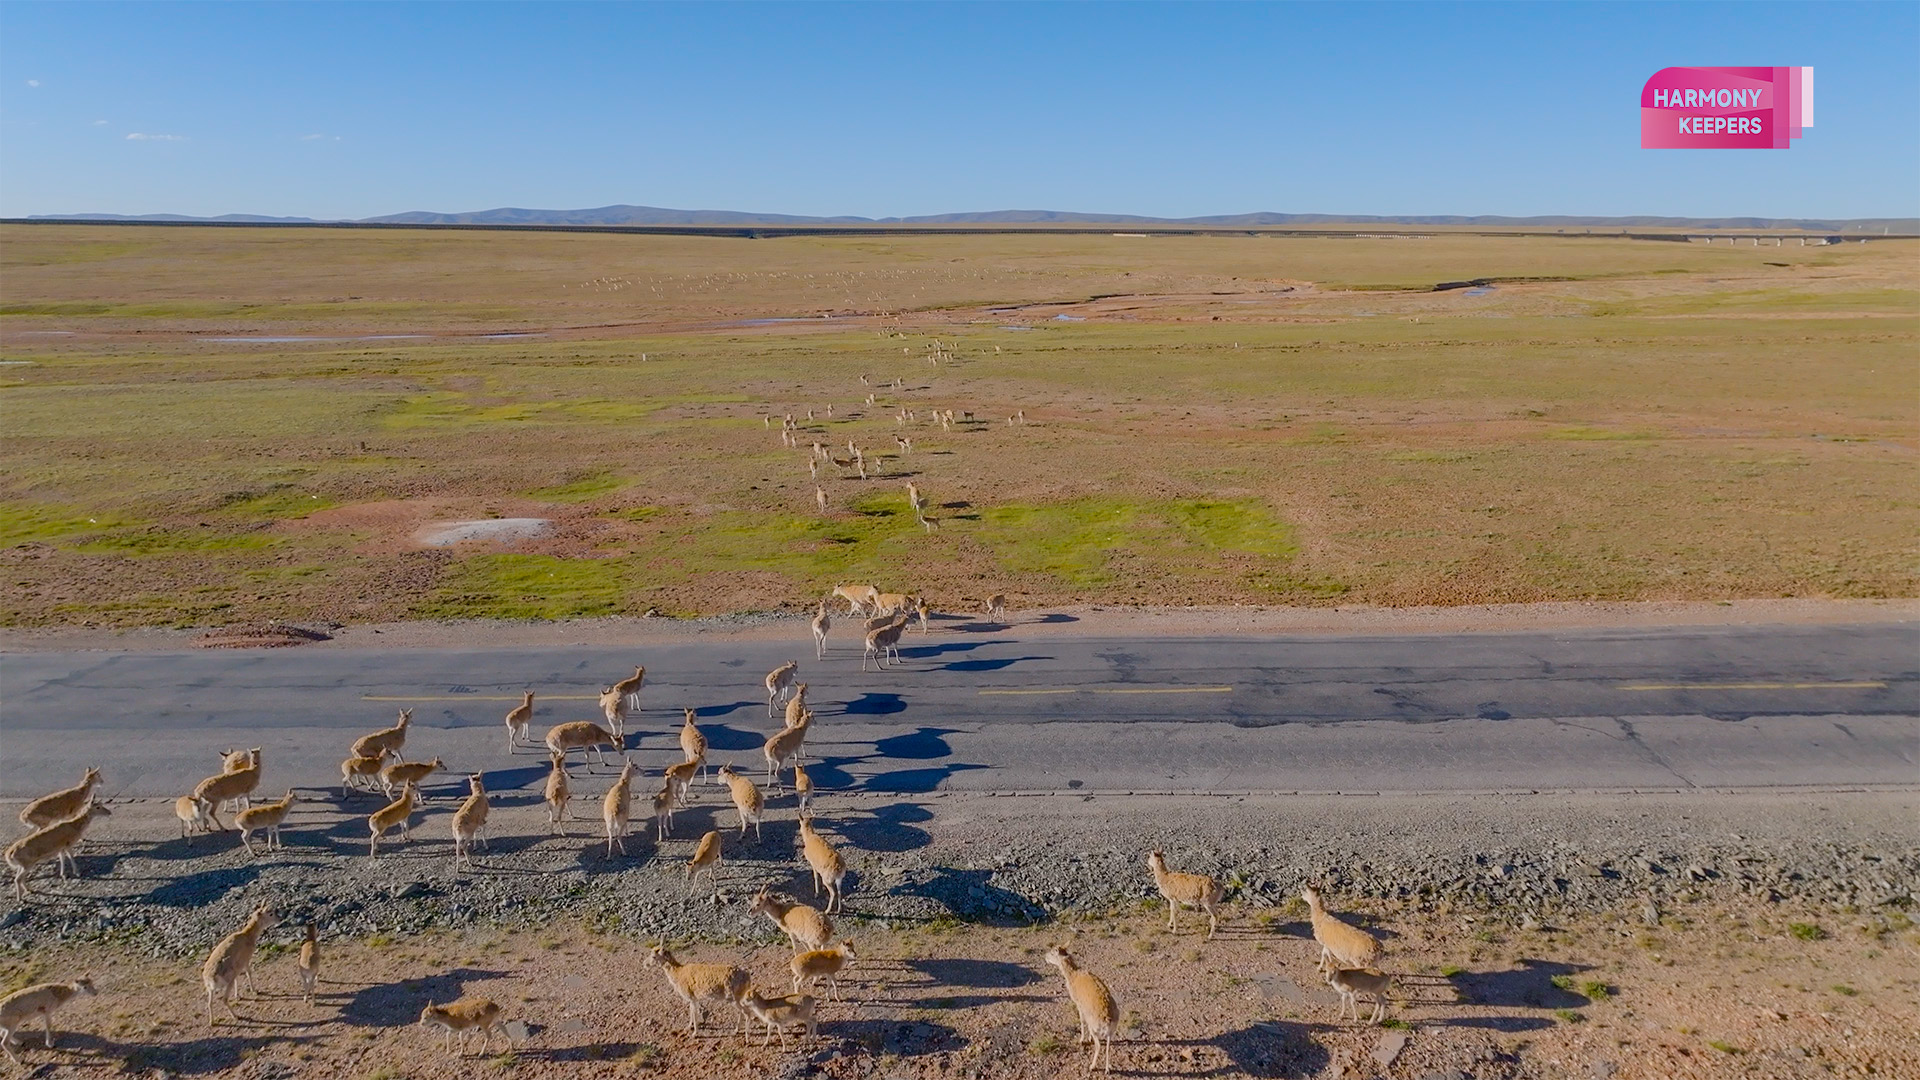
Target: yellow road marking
(478, 697)
(1118, 690)
(1759, 686)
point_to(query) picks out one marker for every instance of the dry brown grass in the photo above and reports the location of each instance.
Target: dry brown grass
(1242, 421)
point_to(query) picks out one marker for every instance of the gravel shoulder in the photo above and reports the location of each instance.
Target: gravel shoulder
(1674, 904)
(1065, 622)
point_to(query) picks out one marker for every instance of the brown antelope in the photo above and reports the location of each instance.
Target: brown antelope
(469, 823)
(706, 860)
(402, 773)
(1098, 1011)
(616, 810)
(1185, 890)
(629, 690)
(462, 1017)
(779, 684)
(518, 718)
(1350, 983)
(195, 816)
(584, 735)
(55, 842)
(747, 799)
(806, 927)
(995, 607)
(784, 747)
(1341, 944)
(859, 598)
(21, 1007)
(663, 801)
(60, 805)
(802, 787)
(558, 793)
(359, 774)
(232, 959)
(385, 741)
(829, 868)
(266, 817)
(693, 745)
(235, 787)
(797, 704)
(698, 984)
(310, 962)
(821, 623)
(884, 642)
(781, 1013)
(814, 965)
(397, 814)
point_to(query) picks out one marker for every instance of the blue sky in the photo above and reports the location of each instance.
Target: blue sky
(352, 110)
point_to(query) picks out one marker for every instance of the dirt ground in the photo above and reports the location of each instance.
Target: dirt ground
(1756, 935)
(1209, 421)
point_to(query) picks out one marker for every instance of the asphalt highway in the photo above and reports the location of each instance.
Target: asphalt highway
(975, 708)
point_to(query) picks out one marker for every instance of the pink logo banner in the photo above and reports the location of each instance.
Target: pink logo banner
(1725, 108)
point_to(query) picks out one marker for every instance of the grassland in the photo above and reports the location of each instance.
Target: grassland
(1216, 420)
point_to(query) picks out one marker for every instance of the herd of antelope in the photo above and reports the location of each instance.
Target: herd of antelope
(376, 763)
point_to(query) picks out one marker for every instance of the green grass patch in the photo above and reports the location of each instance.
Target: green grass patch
(26, 522)
(1071, 541)
(280, 504)
(581, 490)
(175, 542)
(515, 586)
(1598, 434)
(1242, 526)
(1806, 931)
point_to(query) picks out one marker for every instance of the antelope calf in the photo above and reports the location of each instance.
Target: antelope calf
(1341, 943)
(359, 774)
(518, 718)
(584, 735)
(797, 705)
(806, 927)
(21, 1007)
(461, 1018)
(829, 868)
(883, 642)
(558, 793)
(232, 959)
(922, 613)
(779, 683)
(1350, 983)
(781, 1013)
(1185, 890)
(810, 967)
(310, 962)
(706, 860)
(470, 821)
(385, 741)
(699, 984)
(679, 779)
(405, 773)
(995, 607)
(629, 690)
(693, 745)
(747, 799)
(802, 787)
(266, 817)
(616, 810)
(1099, 1012)
(60, 805)
(196, 816)
(55, 842)
(397, 814)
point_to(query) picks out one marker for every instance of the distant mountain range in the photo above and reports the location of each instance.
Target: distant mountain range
(653, 215)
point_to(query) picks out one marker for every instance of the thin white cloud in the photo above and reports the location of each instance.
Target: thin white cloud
(141, 136)
(319, 138)
(33, 82)
(99, 123)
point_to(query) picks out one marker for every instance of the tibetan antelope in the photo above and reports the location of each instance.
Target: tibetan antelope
(806, 927)
(584, 735)
(385, 741)
(779, 684)
(518, 718)
(1341, 944)
(60, 805)
(1099, 1012)
(55, 842)
(21, 1007)
(699, 984)
(1196, 891)
(232, 959)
